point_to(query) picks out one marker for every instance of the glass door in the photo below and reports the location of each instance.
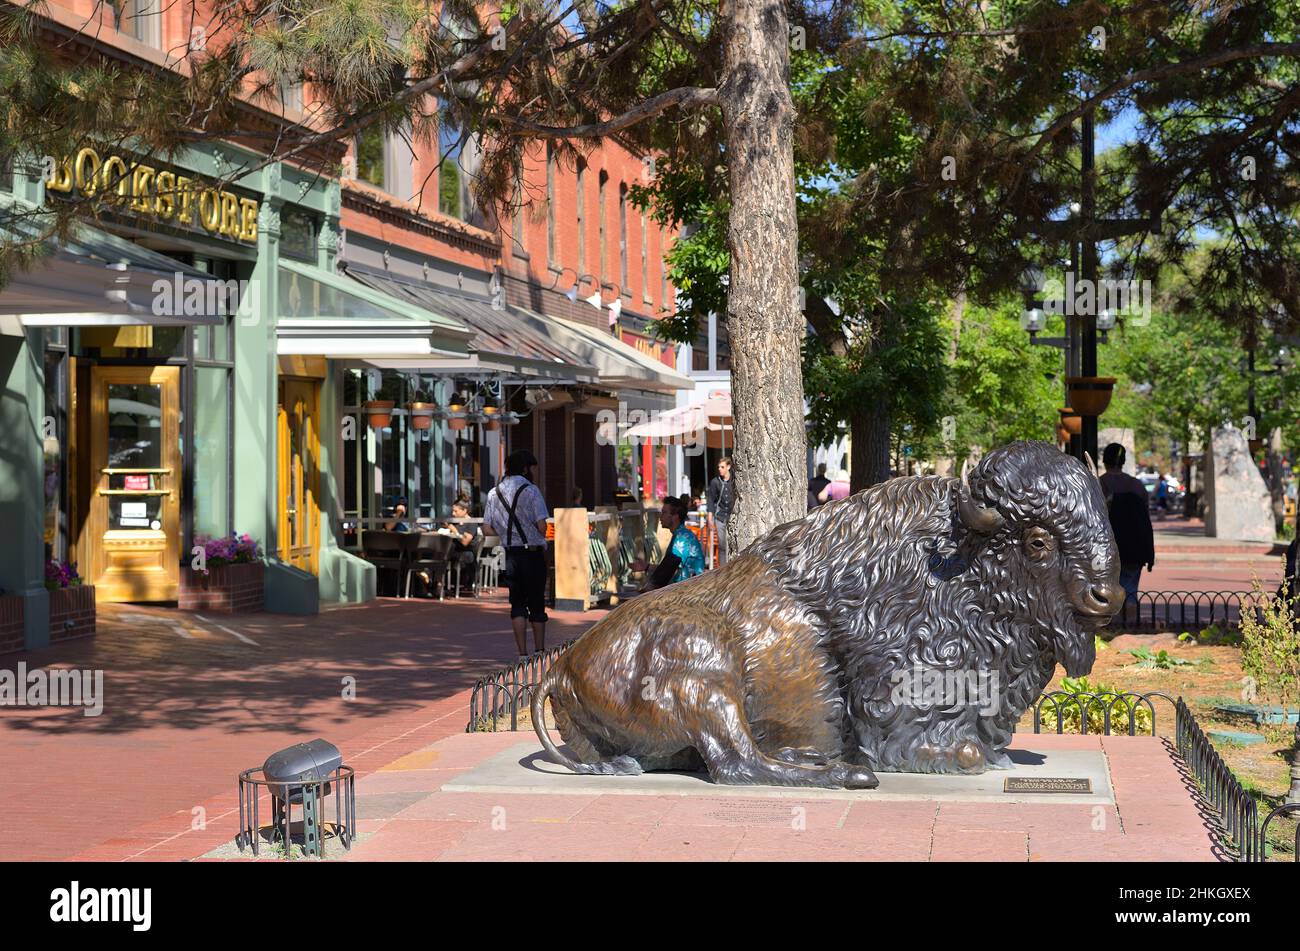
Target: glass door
(136, 459)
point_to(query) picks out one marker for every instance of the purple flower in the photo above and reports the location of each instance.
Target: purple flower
(60, 574)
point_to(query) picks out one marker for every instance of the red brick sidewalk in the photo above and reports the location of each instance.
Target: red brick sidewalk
(189, 703)
(404, 816)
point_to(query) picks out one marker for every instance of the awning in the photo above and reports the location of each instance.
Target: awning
(323, 314)
(620, 366)
(502, 341)
(97, 279)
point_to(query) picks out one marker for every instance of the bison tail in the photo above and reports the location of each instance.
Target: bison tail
(618, 766)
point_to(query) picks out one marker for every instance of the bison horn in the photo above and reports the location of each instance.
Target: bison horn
(1092, 466)
(978, 518)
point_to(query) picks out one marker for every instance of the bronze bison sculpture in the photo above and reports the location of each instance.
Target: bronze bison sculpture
(789, 665)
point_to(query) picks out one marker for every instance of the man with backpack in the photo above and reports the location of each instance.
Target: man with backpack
(517, 513)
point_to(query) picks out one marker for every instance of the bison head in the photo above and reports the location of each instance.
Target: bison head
(1041, 518)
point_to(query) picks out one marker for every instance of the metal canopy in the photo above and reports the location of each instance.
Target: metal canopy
(502, 340)
(97, 279)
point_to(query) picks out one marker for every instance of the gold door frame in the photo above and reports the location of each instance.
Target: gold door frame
(135, 564)
(299, 472)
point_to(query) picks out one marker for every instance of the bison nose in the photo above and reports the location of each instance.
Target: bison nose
(1103, 599)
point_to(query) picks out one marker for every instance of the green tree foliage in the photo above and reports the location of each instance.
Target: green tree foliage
(1001, 389)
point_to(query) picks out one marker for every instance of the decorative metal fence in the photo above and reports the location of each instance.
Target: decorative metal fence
(498, 698)
(503, 694)
(1235, 810)
(1182, 610)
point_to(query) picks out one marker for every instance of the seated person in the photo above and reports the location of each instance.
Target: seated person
(685, 556)
(463, 536)
(398, 522)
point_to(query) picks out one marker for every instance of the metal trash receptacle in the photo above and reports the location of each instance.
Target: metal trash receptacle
(305, 762)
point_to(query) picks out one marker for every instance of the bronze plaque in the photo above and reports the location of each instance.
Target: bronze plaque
(1047, 784)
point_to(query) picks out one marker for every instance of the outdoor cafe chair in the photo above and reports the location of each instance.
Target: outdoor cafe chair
(455, 566)
(431, 551)
(491, 565)
(384, 550)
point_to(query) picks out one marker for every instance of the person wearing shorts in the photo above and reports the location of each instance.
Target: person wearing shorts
(517, 513)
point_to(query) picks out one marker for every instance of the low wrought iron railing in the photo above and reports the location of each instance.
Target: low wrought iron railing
(502, 695)
(1235, 810)
(1182, 610)
(499, 698)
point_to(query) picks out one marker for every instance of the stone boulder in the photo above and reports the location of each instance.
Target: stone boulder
(1237, 501)
(1125, 438)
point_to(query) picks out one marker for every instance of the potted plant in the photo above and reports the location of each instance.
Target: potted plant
(379, 411)
(421, 409)
(227, 576)
(1090, 395)
(1071, 420)
(456, 412)
(493, 414)
(72, 603)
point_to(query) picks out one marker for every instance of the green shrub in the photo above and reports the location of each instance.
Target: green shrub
(1101, 696)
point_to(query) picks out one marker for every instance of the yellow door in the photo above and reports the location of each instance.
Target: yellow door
(134, 524)
(299, 450)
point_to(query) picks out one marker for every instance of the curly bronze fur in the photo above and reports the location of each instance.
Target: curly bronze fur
(781, 667)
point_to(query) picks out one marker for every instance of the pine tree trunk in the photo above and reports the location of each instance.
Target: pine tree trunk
(869, 431)
(764, 320)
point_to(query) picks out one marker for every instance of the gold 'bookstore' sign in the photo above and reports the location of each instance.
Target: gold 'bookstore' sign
(157, 193)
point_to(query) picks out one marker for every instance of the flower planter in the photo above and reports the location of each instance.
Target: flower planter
(379, 412)
(224, 589)
(1090, 395)
(492, 423)
(1062, 434)
(11, 623)
(456, 410)
(1071, 420)
(421, 414)
(72, 612)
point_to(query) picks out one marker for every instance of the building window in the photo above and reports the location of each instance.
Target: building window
(517, 214)
(600, 214)
(459, 155)
(645, 261)
(370, 156)
(581, 204)
(298, 234)
(139, 18)
(291, 95)
(551, 253)
(622, 238)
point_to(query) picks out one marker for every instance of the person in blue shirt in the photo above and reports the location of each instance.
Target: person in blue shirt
(685, 556)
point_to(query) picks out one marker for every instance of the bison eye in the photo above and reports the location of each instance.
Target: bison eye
(1039, 543)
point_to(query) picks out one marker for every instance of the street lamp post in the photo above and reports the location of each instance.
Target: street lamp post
(1083, 229)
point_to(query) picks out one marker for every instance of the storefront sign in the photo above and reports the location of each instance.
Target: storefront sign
(159, 194)
(651, 349)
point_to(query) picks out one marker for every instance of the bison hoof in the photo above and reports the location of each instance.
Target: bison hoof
(969, 757)
(1000, 760)
(854, 777)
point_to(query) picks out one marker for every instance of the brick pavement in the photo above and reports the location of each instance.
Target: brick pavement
(189, 702)
(404, 816)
